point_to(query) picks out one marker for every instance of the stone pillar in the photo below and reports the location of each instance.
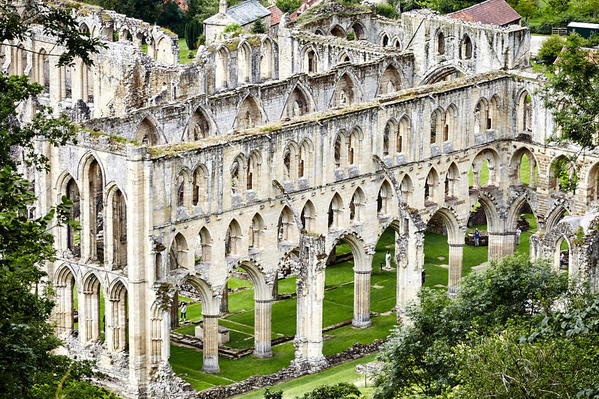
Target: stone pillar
(310, 296)
(362, 298)
(224, 302)
(501, 244)
(409, 257)
(262, 327)
(210, 344)
(456, 254)
(140, 269)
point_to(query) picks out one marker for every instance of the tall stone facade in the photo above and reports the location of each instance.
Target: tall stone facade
(265, 152)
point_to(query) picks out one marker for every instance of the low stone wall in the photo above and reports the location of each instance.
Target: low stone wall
(260, 381)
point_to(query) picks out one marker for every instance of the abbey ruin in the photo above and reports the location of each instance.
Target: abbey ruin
(268, 150)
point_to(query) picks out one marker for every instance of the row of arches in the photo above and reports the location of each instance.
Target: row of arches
(101, 212)
(248, 60)
(73, 82)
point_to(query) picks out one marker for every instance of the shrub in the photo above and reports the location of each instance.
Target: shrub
(386, 10)
(234, 29)
(288, 6)
(351, 36)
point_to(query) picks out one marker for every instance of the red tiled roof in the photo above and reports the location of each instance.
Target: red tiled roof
(493, 12)
(275, 14)
(303, 8)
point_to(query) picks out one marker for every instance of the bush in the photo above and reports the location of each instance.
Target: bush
(273, 395)
(351, 36)
(341, 390)
(193, 29)
(386, 10)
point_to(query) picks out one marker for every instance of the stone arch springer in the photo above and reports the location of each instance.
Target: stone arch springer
(356, 243)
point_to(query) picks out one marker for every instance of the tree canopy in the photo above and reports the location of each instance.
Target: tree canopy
(572, 94)
(28, 368)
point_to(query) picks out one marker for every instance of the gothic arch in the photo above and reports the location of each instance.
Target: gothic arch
(267, 59)
(437, 125)
(431, 187)
(222, 67)
(147, 133)
(384, 198)
(257, 232)
(308, 216)
(203, 246)
(358, 250)
(244, 63)
(233, 239)
(344, 57)
(524, 114)
(179, 253)
(357, 206)
(199, 126)
(466, 47)
(407, 188)
(286, 227)
(347, 91)
(298, 103)
(335, 212)
(249, 114)
(452, 181)
(390, 81)
(310, 60)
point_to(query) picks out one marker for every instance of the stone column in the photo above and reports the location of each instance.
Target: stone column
(409, 257)
(501, 244)
(140, 262)
(310, 296)
(262, 327)
(210, 344)
(456, 254)
(361, 299)
(224, 302)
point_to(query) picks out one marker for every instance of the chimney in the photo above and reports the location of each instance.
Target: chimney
(222, 7)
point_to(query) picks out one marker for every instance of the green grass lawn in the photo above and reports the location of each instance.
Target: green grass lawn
(184, 52)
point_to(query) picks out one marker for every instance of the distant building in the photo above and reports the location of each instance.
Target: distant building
(244, 14)
(583, 29)
(492, 12)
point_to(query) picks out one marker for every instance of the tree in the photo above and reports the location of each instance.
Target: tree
(193, 30)
(526, 8)
(572, 94)
(171, 17)
(28, 368)
(258, 27)
(420, 357)
(550, 49)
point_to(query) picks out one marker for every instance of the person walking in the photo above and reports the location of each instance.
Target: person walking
(183, 311)
(518, 232)
(476, 238)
